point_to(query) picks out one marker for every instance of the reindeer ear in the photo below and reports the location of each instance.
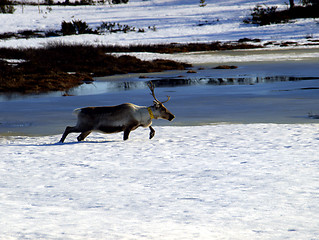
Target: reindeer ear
(157, 104)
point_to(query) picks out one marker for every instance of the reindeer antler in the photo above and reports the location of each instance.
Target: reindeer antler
(151, 87)
(168, 98)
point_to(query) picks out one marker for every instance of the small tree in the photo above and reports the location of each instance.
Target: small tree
(309, 2)
(291, 3)
(49, 2)
(75, 27)
(202, 3)
(6, 6)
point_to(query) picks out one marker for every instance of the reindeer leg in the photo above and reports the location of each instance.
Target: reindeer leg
(130, 128)
(152, 133)
(67, 131)
(126, 133)
(83, 135)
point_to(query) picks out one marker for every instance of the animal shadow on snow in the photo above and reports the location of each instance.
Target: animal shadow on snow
(66, 143)
(81, 142)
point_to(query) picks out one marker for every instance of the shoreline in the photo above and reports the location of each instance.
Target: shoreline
(118, 136)
(279, 102)
(248, 60)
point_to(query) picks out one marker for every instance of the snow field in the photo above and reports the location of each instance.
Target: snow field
(226, 181)
(181, 21)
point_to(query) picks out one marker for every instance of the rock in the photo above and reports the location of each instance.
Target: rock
(225, 67)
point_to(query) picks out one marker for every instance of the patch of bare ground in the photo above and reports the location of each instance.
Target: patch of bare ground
(183, 47)
(61, 67)
(225, 67)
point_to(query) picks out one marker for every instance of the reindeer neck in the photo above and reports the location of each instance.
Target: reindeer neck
(150, 112)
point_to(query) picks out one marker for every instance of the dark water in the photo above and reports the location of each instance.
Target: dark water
(167, 82)
(283, 92)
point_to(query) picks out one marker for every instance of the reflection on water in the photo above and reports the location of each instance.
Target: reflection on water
(174, 82)
(194, 101)
(101, 87)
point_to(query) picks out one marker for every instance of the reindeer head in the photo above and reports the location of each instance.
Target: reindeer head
(159, 108)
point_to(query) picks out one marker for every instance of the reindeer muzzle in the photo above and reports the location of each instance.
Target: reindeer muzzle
(171, 117)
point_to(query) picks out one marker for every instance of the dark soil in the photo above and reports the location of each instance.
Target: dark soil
(59, 68)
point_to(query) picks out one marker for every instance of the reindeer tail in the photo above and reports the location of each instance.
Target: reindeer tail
(77, 111)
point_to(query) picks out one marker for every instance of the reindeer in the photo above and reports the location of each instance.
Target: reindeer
(112, 119)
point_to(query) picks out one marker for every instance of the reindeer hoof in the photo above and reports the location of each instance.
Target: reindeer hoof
(152, 135)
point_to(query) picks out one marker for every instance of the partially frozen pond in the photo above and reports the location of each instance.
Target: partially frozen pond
(265, 92)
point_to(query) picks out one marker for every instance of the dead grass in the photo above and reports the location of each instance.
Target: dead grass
(61, 67)
(182, 47)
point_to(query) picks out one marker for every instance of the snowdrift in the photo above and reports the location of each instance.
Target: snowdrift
(236, 181)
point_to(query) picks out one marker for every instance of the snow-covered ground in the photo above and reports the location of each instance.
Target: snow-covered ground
(222, 181)
(255, 181)
(175, 21)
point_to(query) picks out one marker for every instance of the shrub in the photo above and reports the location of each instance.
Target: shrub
(153, 28)
(309, 2)
(119, 1)
(202, 3)
(49, 2)
(266, 15)
(81, 27)
(86, 2)
(109, 27)
(6, 6)
(112, 27)
(67, 28)
(75, 27)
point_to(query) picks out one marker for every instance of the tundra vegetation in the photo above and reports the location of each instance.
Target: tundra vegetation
(76, 27)
(265, 15)
(64, 2)
(6, 6)
(59, 67)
